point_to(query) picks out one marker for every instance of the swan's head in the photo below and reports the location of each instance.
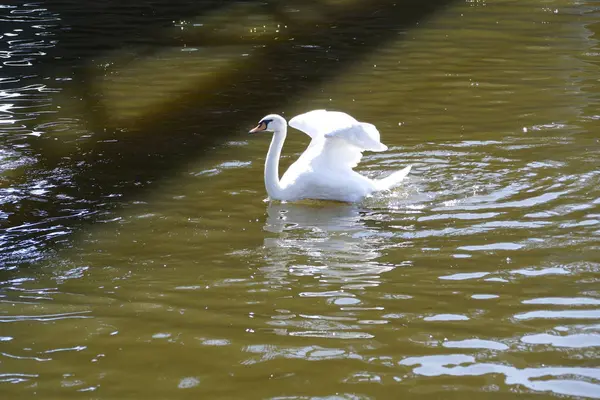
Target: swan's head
(270, 123)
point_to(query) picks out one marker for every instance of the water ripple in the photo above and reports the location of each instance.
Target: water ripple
(463, 365)
(47, 317)
(563, 314)
(475, 344)
(576, 301)
(575, 341)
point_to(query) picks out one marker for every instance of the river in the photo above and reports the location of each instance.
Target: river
(139, 257)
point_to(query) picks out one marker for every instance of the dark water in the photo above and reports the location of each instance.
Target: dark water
(140, 260)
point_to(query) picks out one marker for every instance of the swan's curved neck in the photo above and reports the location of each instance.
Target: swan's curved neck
(272, 183)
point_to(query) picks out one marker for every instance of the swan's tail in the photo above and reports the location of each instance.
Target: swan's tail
(393, 180)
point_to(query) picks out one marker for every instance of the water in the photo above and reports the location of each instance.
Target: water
(139, 258)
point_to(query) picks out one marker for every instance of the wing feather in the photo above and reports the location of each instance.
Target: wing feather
(317, 123)
(338, 139)
(362, 135)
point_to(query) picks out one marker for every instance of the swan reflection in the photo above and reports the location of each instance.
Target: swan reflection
(332, 240)
(324, 216)
(325, 258)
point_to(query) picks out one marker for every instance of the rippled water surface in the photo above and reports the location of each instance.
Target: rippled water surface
(139, 258)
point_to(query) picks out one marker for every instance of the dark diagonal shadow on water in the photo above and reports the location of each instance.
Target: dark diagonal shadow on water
(123, 162)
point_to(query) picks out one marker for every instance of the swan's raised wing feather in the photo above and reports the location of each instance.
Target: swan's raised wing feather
(342, 148)
(338, 139)
(362, 135)
(317, 123)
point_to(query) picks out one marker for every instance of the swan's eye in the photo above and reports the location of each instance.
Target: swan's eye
(266, 122)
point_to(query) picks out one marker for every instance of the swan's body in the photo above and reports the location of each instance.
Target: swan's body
(324, 171)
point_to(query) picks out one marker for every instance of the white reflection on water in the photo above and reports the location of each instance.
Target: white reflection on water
(268, 352)
(332, 238)
(554, 379)
(548, 314)
(322, 216)
(575, 341)
(332, 251)
(475, 344)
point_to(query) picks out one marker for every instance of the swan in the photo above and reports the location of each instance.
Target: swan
(325, 170)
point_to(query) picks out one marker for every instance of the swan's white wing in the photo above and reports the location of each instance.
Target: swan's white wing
(342, 148)
(338, 139)
(362, 135)
(317, 123)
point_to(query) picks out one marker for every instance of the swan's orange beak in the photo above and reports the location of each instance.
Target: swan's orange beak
(260, 127)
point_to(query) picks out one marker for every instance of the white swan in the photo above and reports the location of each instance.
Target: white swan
(324, 170)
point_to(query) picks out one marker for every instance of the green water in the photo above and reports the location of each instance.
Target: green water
(141, 259)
